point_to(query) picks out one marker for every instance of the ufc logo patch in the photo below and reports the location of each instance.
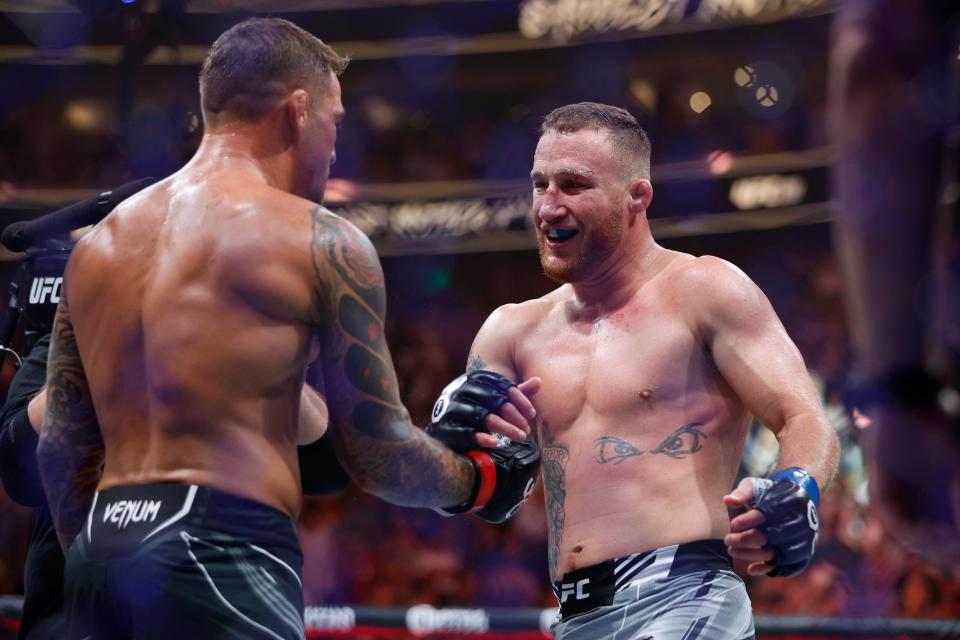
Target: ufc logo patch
(576, 589)
(42, 289)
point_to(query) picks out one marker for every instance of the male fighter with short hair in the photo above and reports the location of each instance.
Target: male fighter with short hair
(652, 362)
(187, 321)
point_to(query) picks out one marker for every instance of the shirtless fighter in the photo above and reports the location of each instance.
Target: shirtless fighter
(187, 321)
(652, 362)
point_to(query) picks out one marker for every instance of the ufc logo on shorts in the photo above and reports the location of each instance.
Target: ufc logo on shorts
(577, 589)
(43, 287)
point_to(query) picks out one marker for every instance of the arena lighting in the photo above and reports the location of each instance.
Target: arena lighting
(700, 101)
(563, 20)
(719, 162)
(340, 190)
(84, 115)
(745, 76)
(645, 93)
(768, 191)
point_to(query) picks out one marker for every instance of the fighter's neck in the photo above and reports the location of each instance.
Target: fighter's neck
(616, 283)
(243, 151)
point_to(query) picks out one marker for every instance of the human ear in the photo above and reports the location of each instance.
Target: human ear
(641, 194)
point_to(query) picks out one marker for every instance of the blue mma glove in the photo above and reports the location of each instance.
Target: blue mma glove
(788, 501)
(464, 404)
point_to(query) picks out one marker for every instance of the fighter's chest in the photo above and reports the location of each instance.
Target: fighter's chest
(621, 362)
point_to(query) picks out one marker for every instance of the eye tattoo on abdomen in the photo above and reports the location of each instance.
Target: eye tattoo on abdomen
(681, 443)
(615, 450)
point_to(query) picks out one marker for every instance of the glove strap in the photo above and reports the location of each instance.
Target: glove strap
(802, 478)
(487, 475)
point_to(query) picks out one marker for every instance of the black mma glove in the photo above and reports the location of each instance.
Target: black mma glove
(459, 412)
(788, 501)
(505, 478)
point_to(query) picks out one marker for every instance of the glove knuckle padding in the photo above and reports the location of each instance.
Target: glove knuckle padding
(790, 526)
(517, 465)
(463, 406)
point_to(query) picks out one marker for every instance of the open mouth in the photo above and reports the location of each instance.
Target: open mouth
(560, 236)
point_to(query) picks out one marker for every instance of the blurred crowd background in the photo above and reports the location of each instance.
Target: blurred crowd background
(443, 100)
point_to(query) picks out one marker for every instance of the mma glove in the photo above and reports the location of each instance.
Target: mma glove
(505, 478)
(788, 501)
(464, 404)
(505, 474)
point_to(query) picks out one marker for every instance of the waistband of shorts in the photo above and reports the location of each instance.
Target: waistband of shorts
(590, 587)
(142, 512)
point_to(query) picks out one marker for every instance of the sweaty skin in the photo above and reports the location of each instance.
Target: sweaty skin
(188, 319)
(652, 362)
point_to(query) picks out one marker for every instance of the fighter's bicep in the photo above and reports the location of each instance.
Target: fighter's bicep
(492, 348)
(358, 372)
(754, 353)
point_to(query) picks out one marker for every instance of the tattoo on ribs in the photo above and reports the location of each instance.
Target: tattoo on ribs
(682, 442)
(554, 456)
(615, 450)
(679, 444)
(70, 450)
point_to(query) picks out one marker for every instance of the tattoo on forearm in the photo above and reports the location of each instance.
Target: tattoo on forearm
(70, 449)
(615, 450)
(475, 363)
(554, 456)
(370, 423)
(682, 442)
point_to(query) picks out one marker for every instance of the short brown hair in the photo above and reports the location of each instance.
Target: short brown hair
(628, 137)
(258, 61)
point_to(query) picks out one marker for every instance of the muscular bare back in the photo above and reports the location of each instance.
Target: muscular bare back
(192, 306)
(641, 432)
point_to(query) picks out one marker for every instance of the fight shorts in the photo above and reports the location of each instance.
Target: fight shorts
(680, 592)
(177, 561)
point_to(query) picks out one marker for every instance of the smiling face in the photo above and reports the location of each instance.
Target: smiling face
(580, 198)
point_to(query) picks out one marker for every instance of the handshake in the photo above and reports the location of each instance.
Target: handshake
(474, 416)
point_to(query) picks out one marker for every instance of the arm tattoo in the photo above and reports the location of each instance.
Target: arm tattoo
(554, 456)
(475, 363)
(682, 442)
(371, 427)
(615, 450)
(70, 449)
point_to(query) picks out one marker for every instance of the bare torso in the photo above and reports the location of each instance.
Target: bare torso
(641, 436)
(192, 308)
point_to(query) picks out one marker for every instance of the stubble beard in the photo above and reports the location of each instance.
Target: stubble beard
(596, 246)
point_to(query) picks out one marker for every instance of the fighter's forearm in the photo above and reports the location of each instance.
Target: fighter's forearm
(414, 470)
(810, 442)
(70, 468)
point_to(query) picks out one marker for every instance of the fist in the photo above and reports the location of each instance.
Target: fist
(463, 406)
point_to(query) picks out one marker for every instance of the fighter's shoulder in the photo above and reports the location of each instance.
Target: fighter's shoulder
(717, 293)
(709, 278)
(523, 316)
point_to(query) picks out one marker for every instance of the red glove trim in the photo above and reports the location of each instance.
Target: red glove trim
(487, 472)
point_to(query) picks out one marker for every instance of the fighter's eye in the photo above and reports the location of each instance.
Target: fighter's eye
(615, 450)
(682, 442)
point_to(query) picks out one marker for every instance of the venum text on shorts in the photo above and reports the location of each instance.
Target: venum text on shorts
(123, 512)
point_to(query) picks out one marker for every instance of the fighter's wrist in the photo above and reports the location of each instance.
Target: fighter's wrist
(482, 487)
(801, 477)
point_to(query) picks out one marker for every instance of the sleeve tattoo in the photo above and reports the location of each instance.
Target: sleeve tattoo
(70, 449)
(383, 451)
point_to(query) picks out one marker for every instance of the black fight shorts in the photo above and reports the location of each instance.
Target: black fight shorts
(178, 562)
